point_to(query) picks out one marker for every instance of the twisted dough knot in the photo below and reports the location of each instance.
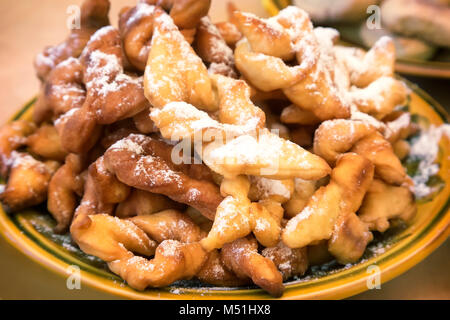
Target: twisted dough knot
(18, 195)
(237, 217)
(384, 202)
(330, 213)
(136, 28)
(214, 51)
(269, 44)
(174, 72)
(12, 137)
(339, 136)
(242, 257)
(146, 164)
(112, 95)
(239, 144)
(94, 15)
(62, 91)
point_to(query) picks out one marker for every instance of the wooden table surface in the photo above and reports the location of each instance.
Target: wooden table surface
(29, 25)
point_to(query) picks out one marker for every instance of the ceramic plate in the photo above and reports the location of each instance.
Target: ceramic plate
(394, 252)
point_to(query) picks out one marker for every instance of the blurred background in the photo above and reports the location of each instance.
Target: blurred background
(29, 25)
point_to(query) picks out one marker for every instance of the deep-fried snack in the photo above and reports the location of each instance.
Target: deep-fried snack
(337, 202)
(242, 257)
(228, 29)
(112, 95)
(295, 115)
(45, 142)
(427, 20)
(174, 72)
(303, 191)
(94, 15)
(27, 182)
(290, 262)
(66, 185)
(169, 224)
(380, 97)
(262, 57)
(214, 272)
(277, 190)
(186, 14)
(13, 136)
(141, 202)
(213, 49)
(385, 202)
(339, 136)
(145, 163)
(237, 217)
(62, 91)
(365, 68)
(115, 241)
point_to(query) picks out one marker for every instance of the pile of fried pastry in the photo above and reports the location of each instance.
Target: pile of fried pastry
(235, 153)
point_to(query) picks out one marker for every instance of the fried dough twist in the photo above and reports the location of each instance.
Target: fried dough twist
(146, 164)
(62, 91)
(174, 73)
(339, 136)
(65, 186)
(242, 257)
(330, 214)
(112, 95)
(12, 137)
(27, 182)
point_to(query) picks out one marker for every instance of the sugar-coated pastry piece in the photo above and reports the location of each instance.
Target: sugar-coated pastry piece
(331, 12)
(216, 273)
(303, 192)
(136, 30)
(62, 91)
(169, 224)
(334, 203)
(173, 261)
(423, 19)
(116, 241)
(290, 262)
(266, 155)
(146, 164)
(112, 95)
(45, 142)
(277, 190)
(385, 202)
(237, 217)
(380, 97)
(66, 184)
(229, 32)
(242, 257)
(339, 136)
(94, 15)
(365, 68)
(295, 115)
(141, 202)
(28, 182)
(174, 72)
(13, 136)
(186, 14)
(213, 49)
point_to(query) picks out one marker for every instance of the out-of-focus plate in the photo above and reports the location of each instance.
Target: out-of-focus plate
(394, 252)
(422, 68)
